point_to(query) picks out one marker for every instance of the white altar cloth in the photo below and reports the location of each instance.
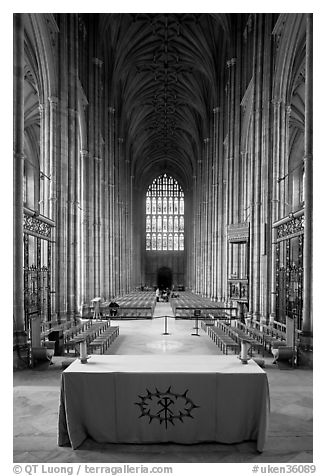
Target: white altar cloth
(163, 398)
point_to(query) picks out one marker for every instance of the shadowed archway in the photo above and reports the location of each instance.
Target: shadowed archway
(164, 278)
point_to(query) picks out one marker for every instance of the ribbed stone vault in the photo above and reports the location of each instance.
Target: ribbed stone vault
(165, 70)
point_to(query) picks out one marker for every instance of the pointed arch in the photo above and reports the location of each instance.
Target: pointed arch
(164, 215)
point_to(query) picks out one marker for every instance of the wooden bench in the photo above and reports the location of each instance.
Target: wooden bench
(104, 340)
(222, 340)
(239, 332)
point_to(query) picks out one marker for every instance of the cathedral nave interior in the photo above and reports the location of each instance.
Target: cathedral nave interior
(168, 152)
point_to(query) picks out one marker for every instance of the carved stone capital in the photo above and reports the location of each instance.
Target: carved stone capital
(276, 102)
(53, 100)
(97, 62)
(307, 158)
(72, 111)
(84, 153)
(231, 62)
(19, 156)
(73, 203)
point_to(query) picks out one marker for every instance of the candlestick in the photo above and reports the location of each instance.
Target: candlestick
(83, 351)
(244, 351)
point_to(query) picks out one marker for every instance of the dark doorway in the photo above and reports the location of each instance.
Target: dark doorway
(164, 278)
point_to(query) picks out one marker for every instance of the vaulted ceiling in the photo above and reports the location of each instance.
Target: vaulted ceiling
(165, 72)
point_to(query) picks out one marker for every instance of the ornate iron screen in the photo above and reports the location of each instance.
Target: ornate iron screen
(37, 267)
(289, 269)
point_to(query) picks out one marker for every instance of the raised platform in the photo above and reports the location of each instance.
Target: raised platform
(36, 408)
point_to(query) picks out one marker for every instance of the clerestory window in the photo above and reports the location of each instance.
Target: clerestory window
(165, 215)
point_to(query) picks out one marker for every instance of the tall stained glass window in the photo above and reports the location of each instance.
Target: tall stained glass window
(164, 215)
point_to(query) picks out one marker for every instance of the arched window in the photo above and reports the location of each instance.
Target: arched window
(165, 215)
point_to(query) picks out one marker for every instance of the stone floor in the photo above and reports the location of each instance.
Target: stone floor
(36, 398)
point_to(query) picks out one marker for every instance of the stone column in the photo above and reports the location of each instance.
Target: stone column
(308, 188)
(20, 337)
(72, 205)
(286, 210)
(126, 226)
(199, 225)
(210, 218)
(85, 225)
(266, 172)
(251, 189)
(275, 200)
(72, 166)
(134, 260)
(256, 186)
(89, 219)
(214, 202)
(129, 262)
(232, 192)
(44, 178)
(206, 238)
(112, 198)
(244, 186)
(61, 191)
(53, 105)
(97, 186)
(221, 215)
(117, 221)
(97, 226)
(224, 241)
(106, 185)
(102, 229)
(105, 220)
(121, 218)
(194, 235)
(273, 278)
(282, 159)
(237, 97)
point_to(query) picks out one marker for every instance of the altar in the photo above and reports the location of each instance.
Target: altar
(163, 398)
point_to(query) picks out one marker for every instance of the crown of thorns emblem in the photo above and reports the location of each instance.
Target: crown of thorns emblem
(166, 407)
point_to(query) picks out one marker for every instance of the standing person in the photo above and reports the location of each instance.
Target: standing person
(157, 294)
(164, 295)
(168, 292)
